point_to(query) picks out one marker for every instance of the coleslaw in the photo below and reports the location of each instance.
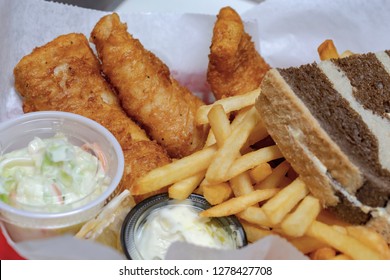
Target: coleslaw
(52, 175)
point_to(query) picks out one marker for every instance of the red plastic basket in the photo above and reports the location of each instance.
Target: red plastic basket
(6, 251)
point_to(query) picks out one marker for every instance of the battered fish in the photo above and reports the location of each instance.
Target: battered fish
(235, 67)
(146, 89)
(65, 75)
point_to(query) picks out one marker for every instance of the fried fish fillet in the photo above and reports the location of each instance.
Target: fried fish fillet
(65, 75)
(235, 67)
(147, 91)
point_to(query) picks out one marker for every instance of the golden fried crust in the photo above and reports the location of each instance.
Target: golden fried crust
(140, 158)
(146, 89)
(235, 67)
(65, 75)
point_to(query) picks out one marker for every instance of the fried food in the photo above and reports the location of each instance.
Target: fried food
(177, 170)
(229, 105)
(65, 75)
(283, 204)
(235, 67)
(140, 158)
(327, 50)
(148, 93)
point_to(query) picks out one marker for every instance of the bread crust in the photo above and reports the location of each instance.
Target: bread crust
(311, 152)
(303, 142)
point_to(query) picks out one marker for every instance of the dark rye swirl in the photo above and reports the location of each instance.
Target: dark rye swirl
(331, 121)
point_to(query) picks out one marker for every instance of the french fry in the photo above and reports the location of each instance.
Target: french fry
(182, 189)
(175, 171)
(277, 230)
(259, 133)
(204, 183)
(370, 238)
(327, 50)
(219, 123)
(276, 177)
(239, 117)
(340, 229)
(238, 204)
(260, 172)
(296, 223)
(241, 184)
(210, 139)
(255, 215)
(284, 201)
(198, 190)
(252, 159)
(342, 242)
(229, 104)
(230, 149)
(324, 253)
(307, 244)
(254, 233)
(216, 194)
(221, 126)
(341, 257)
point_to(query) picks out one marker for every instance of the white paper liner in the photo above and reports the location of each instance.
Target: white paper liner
(64, 247)
(271, 247)
(291, 31)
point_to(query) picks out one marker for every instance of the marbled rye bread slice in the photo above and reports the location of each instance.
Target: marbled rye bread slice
(331, 121)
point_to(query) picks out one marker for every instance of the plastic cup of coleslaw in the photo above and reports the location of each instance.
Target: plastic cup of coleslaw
(158, 221)
(57, 171)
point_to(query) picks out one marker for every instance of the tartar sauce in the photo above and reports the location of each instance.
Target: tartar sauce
(50, 174)
(179, 223)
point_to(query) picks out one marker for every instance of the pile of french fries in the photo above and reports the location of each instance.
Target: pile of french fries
(238, 179)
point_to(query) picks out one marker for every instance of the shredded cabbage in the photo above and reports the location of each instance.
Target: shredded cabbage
(49, 174)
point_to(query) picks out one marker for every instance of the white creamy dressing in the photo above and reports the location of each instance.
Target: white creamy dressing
(49, 174)
(179, 223)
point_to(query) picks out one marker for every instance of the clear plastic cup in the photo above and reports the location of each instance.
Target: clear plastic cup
(27, 224)
(135, 224)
